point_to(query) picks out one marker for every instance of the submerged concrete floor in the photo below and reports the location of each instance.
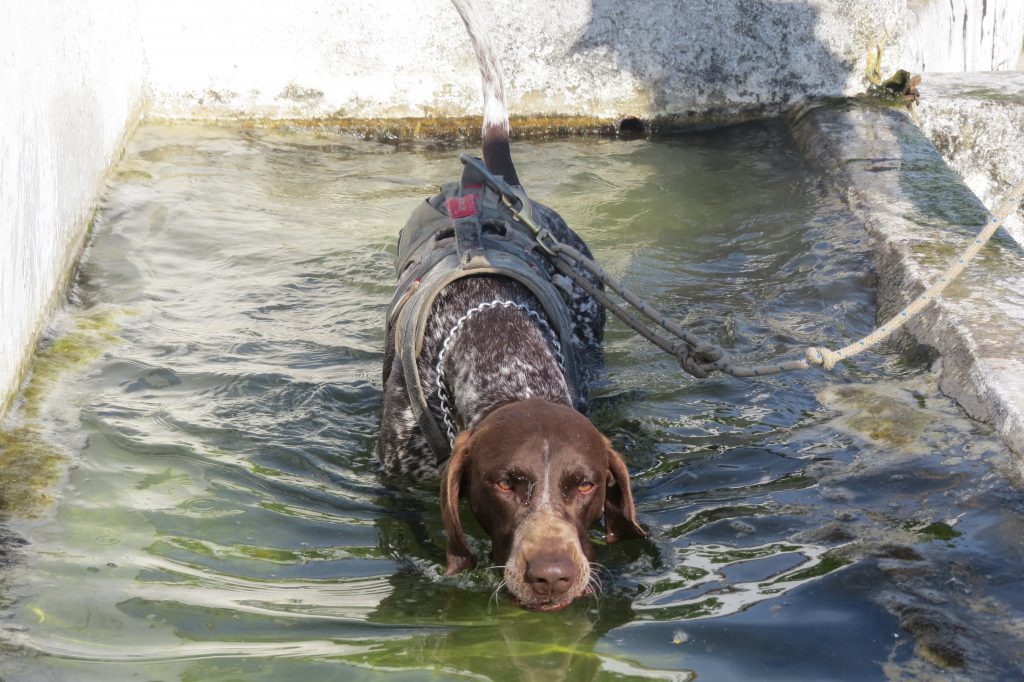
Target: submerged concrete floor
(920, 216)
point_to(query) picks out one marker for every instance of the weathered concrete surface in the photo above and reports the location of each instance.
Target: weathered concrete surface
(71, 87)
(920, 215)
(976, 121)
(959, 35)
(681, 58)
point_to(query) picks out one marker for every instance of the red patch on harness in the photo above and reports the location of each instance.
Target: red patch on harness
(460, 207)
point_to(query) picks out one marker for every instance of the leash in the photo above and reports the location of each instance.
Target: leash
(698, 357)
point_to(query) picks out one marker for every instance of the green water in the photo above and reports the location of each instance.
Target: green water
(210, 399)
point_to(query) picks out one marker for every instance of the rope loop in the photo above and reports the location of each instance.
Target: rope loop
(699, 362)
(822, 356)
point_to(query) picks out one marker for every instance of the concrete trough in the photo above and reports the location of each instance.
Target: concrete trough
(76, 79)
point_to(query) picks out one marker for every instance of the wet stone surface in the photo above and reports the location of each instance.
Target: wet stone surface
(921, 219)
(209, 507)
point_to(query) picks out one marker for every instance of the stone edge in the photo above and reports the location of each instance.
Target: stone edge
(846, 148)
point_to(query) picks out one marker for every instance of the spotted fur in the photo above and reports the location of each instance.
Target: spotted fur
(500, 355)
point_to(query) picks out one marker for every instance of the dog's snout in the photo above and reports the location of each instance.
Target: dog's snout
(550, 576)
(547, 567)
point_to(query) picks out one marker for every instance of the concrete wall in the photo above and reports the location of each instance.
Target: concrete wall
(602, 58)
(599, 58)
(961, 35)
(71, 83)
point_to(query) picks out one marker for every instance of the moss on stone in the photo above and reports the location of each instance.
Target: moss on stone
(940, 531)
(29, 465)
(455, 130)
(30, 462)
(465, 130)
(825, 565)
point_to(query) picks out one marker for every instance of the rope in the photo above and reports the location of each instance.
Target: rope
(827, 358)
(696, 356)
(700, 358)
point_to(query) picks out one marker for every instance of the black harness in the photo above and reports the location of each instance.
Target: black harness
(467, 230)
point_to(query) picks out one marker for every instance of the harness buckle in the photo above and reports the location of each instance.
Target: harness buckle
(547, 242)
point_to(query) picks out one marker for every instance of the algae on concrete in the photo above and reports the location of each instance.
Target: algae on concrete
(31, 460)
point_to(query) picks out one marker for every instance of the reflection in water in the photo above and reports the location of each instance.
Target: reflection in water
(204, 503)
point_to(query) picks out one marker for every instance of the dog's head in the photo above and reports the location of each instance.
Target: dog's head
(537, 475)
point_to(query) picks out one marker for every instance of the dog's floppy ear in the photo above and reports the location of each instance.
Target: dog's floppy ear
(459, 556)
(619, 512)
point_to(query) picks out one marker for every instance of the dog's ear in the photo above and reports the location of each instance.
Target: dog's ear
(619, 512)
(459, 556)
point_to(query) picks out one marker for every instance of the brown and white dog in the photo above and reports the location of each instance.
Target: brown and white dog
(535, 472)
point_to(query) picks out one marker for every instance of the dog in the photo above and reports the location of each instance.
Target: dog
(486, 347)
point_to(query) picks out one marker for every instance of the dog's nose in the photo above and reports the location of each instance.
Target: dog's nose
(550, 577)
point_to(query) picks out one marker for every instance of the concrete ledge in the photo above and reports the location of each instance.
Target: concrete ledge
(919, 215)
(976, 121)
(688, 59)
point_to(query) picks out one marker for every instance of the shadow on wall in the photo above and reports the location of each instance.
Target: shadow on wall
(728, 56)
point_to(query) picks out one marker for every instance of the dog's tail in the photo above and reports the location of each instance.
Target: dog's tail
(497, 154)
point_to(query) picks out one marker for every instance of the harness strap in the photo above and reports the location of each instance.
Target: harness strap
(409, 354)
(466, 224)
(465, 231)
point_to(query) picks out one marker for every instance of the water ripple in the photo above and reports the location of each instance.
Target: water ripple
(222, 518)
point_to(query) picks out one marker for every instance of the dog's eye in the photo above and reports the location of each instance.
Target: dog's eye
(504, 485)
(585, 487)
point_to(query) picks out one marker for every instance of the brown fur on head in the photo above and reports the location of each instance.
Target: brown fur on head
(536, 475)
